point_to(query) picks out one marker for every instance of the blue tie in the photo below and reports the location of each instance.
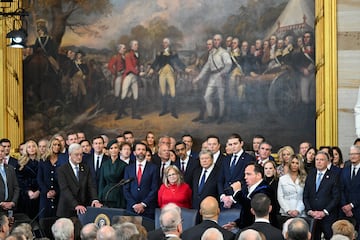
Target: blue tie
(318, 180)
(202, 181)
(77, 172)
(3, 175)
(233, 163)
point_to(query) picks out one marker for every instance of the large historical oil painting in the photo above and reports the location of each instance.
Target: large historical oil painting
(173, 67)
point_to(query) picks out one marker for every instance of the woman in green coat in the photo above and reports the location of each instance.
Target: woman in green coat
(111, 174)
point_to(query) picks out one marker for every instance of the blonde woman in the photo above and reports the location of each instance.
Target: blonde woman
(174, 189)
(47, 179)
(291, 188)
(27, 177)
(284, 154)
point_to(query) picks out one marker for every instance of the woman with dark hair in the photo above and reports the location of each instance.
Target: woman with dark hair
(47, 179)
(309, 161)
(111, 172)
(174, 189)
(151, 142)
(337, 157)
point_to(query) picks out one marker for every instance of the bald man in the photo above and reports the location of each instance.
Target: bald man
(209, 210)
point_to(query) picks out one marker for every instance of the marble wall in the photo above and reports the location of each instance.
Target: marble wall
(348, 23)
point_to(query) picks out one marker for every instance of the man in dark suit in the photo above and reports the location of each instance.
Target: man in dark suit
(140, 194)
(255, 183)
(213, 144)
(9, 188)
(171, 223)
(232, 170)
(158, 233)
(350, 185)
(189, 142)
(209, 210)
(186, 164)
(261, 207)
(205, 179)
(322, 195)
(163, 161)
(76, 188)
(8, 159)
(94, 161)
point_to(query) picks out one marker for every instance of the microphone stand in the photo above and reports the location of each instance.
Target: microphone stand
(122, 182)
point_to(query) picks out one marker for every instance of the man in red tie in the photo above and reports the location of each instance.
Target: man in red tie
(141, 194)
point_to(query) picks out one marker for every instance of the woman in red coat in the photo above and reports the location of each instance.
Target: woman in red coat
(174, 189)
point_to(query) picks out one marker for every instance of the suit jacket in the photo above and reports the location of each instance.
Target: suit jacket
(328, 195)
(220, 160)
(156, 234)
(209, 188)
(13, 162)
(90, 162)
(145, 192)
(350, 190)
(225, 176)
(190, 168)
(12, 185)
(74, 192)
(267, 229)
(195, 232)
(246, 217)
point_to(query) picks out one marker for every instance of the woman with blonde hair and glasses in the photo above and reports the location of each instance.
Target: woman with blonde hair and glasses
(291, 189)
(174, 189)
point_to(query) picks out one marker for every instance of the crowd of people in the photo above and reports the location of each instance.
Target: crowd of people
(61, 176)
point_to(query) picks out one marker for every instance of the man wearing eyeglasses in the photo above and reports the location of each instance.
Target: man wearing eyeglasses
(350, 185)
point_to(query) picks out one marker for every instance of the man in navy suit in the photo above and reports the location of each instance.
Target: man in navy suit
(209, 185)
(232, 170)
(94, 161)
(255, 183)
(141, 193)
(9, 187)
(350, 185)
(186, 164)
(189, 142)
(261, 207)
(322, 195)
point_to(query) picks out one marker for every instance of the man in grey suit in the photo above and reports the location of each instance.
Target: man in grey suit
(9, 188)
(76, 188)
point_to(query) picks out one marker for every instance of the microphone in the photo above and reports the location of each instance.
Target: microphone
(121, 183)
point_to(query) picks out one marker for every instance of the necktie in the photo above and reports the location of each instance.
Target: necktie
(183, 166)
(97, 163)
(318, 180)
(233, 163)
(353, 173)
(162, 171)
(139, 174)
(77, 172)
(202, 181)
(3, 175)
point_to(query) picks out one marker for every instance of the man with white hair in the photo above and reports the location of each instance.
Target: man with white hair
(125, 230)
(171, 223)
(212, 234)
(218, 66)
(250, 234)
(76, 187)
(106, 233)
(89, 231)
(63, 229)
